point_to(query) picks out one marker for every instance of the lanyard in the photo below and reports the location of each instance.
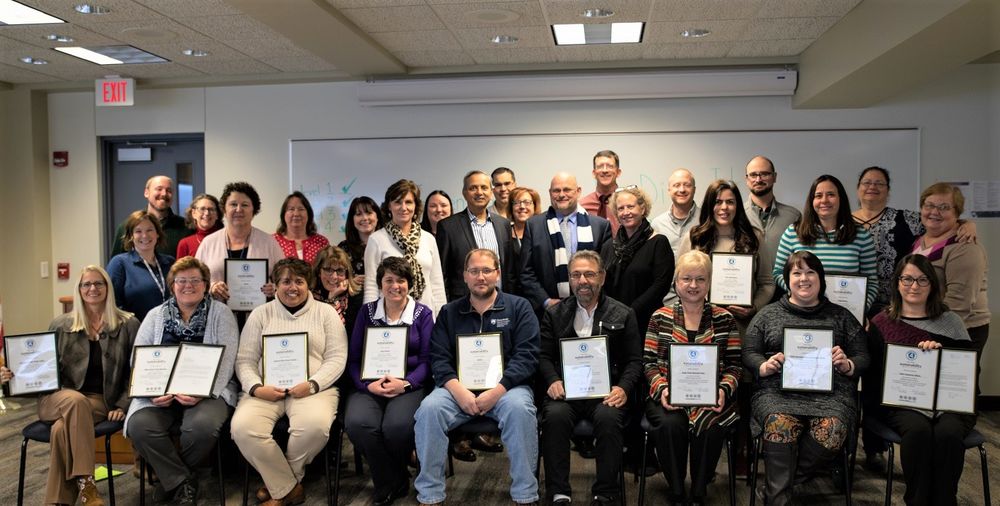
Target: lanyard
(157, 278)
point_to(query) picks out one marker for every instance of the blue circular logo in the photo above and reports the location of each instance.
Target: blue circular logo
(583, 347)
(732, 261)
(478, 343)
(156, 354)
(284, 343)
(911, 355)
(692, 354)
(30, 343)
(385, 334)
(246, 267)
(807, 338)
(843, 283)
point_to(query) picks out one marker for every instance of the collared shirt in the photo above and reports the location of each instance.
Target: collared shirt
(571, 218)
(763, 213)
(404, 319)
(675, 229)
(591, 202)
(485, 234)
(496, 210)
(583, 321)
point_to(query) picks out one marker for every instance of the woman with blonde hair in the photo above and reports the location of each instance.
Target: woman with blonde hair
(334, 283)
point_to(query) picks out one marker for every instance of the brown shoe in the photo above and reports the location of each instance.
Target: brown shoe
(296, 496)
(89, 496)
(486, 443)
(462, 450)
(263, 494)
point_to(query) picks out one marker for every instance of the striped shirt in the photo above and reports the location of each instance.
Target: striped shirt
(855, 257)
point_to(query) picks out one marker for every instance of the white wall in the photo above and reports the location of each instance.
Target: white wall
(247, 132)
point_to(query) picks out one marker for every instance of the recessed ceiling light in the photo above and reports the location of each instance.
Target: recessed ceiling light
(55, 37)
(695, 33)
(598, 33)
(33, 61)
(598, 13)
(504, 39)
(91, 9)
(14, 13)
(194, 52)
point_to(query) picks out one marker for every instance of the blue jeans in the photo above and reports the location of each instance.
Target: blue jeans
(439, 413)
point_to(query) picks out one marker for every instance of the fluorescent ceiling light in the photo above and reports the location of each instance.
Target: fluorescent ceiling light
(91, 56)
(598, 33)
(112, 55)
(14, 13)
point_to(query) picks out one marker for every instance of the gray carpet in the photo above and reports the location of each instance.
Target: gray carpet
(483, 482)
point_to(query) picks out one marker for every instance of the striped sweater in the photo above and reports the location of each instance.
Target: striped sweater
(855, 257)
(717, 326)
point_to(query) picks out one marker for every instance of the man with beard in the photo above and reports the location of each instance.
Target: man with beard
(606, 173)
(503, 183)
(683, 213)
(159, 194)
(511, 402)
(764, 211)
(588, 312)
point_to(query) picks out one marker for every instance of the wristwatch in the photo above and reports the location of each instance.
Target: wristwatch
(313, 388)
(406, 386)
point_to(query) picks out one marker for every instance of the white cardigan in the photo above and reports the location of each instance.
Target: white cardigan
(381, 245)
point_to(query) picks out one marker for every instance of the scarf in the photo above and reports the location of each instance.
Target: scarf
(409, 245)
(176, 331)
(625, 248)
(338, 303)
(584, 240)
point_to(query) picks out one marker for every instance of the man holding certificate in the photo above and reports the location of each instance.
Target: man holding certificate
(485, 327)
(587, 378)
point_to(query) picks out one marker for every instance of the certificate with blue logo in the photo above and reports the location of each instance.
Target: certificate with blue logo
(480, 360)
(34, 360)
(808, 360)
(931, 380)
(732, 279)
(195, 369)
(586, 369)
(694, 375)
(849, 291)
(151, 368)
(285, 360)
(384, 352)
(245, 277)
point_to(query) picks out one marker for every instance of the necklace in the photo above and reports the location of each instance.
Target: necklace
(96, 326)
(246, 244)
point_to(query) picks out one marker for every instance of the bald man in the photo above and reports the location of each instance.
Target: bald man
(683, 213)
(159, 195)
(550, 240)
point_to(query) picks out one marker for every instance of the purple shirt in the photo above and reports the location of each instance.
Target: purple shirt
(421, 321)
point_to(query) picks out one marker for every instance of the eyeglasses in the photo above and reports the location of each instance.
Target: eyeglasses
(922, 281)
(688, 280)
(626, 188)
(588, 275)
(205, 210)
(87, 285)
(877, 184)
(941, 208)
(476, 271)
(333, 271)
(759, 175)
(524, 203)
(188, 281)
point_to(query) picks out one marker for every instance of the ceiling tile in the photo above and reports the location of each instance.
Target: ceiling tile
(357, 4)
(600, 52)
(231, 67)
(434, 58)
(787, 28)
(698, 10)
(805, 8)
(500, 56)
(483, 15)
(16, 45)
(427, 40)
(190, 8)
(216, 51)
(230, 27)
(530, 36)
(687, 51)
(35, 34)
(121, 10)
(300, 64)
(60, 65)
(142, 32)
(561, 11)
(722, 31)
(157, 70)
(408, 18)
(267, 48)
(468, 2)
(17, 75)
(761, 48)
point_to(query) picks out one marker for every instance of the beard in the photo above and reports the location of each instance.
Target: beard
(762, 193)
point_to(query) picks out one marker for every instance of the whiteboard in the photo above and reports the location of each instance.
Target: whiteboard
(331, 172)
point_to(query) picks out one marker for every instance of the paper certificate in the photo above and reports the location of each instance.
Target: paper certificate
(694, 375)
(151, 368)
(849, 291)
(910, 375)
(808, 360)
(732, 279)
(586, 368)
(195, 369)
(285, 359)
(384, 352)
(244, 277)
(480, 360)
(956, 390)
(34, 360)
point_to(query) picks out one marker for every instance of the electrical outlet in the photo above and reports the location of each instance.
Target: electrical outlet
(45, 270)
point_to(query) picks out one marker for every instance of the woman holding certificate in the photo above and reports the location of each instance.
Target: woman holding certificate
(931, 450)
(292, 350)
(188, 317)
(388, 361)
(334, 283)
(93, 342)
(138, 276)
(806, 354)
(695, 410)
(297, 233)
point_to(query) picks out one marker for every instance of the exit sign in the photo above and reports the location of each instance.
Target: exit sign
(114, 91)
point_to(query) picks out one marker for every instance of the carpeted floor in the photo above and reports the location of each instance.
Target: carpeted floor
(481, 483)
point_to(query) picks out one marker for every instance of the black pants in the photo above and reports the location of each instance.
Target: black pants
(672, 435)
(558, 420)
(382, 428)
(932, 454)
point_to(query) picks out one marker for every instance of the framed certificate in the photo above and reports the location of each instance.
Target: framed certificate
(849, 291)
(480, 360)
(694, 374)
(732, 279)
(384, 352)
(285, 360)
(151, 368)
(195, 369)
(34, 360)
(586, 368)
(244, 277)
(956, 388)
(808, 360)
(910, 377)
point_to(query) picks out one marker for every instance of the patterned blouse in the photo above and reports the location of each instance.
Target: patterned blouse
(893, 233)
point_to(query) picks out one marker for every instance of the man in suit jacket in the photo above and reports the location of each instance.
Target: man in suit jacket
(473, 228)
(550, 240)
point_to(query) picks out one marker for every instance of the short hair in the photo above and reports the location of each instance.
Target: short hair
(607, 153)
(294, 266)
(516, 192)
(189, 219)
(244, 188)
(113, 316)
(885, 174)
(398, 190)
(957, 199)
(425, 223)
(809, 228)
(333, 256)
(502, 170)
(641, 198)
(185, 263)
(934, 306)
(482, 251)
(310, 222)
(586, 254)
(808, 259)
(692, 260)
(762, 157)
(149, 182)
(363, 202)
(133, 221)
(397, 266)
(465, 179)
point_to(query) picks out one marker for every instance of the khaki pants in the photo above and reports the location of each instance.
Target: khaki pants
(309, 420)
(72, 442)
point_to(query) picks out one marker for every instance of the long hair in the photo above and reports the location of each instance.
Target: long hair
(332, 256)
(113, 317)
(705, 236)
(310, 222)
(364, 203)
(934, 306)
(809, 229)
(425, 223)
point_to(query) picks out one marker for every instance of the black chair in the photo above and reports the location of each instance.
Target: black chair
(476, 425)
(42, 431)
(848, 451)
(973, 440)
(730, 438)
(146, 471)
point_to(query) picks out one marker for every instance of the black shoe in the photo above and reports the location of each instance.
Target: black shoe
(462, 451)
(187, 493)
(399, 493)
(486, 443)
(600, 500)
(585, 447)
(875, 462)
(562, 501)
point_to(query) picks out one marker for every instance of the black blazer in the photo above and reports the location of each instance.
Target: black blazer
(455, 240)
(538, 263)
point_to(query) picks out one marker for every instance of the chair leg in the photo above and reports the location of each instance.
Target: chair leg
(847, 476)
(336, 472)
(218, 457)
(888, 474)
(20, 476)
(754, 458)
(359, 467)
(246, 481)
(329, 481)
(986, 474)
(111, 473)
(642, 470)
(732, 467)
(451, 464)
(142, 481)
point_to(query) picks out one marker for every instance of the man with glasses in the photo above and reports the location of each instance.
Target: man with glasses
(159, 195)
(503, 182)
(683, 213)
(606, 172)
(764, 211)
(485, 310)
(588, 312)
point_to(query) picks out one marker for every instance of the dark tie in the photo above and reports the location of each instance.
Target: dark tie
(602, 209)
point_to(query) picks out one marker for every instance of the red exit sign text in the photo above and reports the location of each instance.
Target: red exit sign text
(115, 91)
